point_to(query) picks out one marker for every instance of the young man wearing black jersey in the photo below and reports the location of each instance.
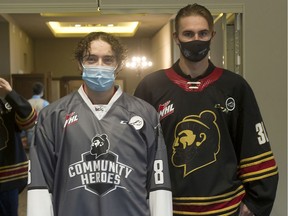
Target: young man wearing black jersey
(219, 153)
(16, 114)
(98, 150)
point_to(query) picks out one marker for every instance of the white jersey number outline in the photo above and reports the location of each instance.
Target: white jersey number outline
(262, 135)
(158, 175)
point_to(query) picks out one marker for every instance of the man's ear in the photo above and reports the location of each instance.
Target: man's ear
(175, 37)
(213, 34)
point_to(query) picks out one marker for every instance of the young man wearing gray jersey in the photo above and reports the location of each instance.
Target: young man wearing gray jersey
(98, 150)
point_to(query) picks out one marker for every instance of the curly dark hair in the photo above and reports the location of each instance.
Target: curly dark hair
(83, 47)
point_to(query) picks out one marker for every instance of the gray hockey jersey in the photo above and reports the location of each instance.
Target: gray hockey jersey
(104, 160)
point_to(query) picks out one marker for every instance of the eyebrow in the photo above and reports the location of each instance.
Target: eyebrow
(97, 57)
(197, 31)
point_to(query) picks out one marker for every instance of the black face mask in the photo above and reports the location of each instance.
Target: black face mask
(195, 50)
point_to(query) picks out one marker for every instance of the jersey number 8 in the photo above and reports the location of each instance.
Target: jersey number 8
(158, 175)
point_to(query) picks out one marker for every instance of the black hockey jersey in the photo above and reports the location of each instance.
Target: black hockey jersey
(112, 164)
(218, 149)
(16, 114)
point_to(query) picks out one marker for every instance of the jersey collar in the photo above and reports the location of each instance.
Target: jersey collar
(178, 70)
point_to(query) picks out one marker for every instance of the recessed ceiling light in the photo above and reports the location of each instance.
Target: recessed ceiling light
(68, 29)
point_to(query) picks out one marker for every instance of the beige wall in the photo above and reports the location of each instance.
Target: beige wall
(265, 68)
(56, 56)
(217, 44)
(21, 51)
(4, 49)
(162, 47)
(20, 45)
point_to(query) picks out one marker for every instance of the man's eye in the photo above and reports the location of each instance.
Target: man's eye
(189, 34)
(203, 33)
(92, 59)
(108, 59)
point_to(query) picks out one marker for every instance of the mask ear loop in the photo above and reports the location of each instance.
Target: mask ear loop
(81, 69)
(117, 70)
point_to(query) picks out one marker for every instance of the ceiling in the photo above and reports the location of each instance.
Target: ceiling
(34, 25)
(151, 14)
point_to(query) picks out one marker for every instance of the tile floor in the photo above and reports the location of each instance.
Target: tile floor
(22, 203)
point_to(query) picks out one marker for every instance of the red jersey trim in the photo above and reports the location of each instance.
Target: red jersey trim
(14, 172)
(189, 86)
(225, 204)
(257, 167)
(26, 123)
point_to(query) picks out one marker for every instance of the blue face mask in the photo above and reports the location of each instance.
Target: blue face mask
(99, 78)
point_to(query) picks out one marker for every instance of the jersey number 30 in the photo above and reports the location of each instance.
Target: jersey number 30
(262, 135)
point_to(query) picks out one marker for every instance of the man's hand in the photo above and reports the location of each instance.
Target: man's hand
(5, 88)
(244, 211)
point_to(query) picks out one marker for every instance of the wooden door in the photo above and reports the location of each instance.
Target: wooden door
(22, 83)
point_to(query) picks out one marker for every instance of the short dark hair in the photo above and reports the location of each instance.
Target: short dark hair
(194, 9)
(83, 46)
(37, 88)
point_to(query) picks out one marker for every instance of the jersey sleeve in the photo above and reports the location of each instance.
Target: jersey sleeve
(25, 115)
(39, 200)
(160, 195)
(41, 173)
(257, 166)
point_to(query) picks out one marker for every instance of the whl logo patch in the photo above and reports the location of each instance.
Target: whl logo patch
(70, 119)
(165, 109)
(99, 170)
